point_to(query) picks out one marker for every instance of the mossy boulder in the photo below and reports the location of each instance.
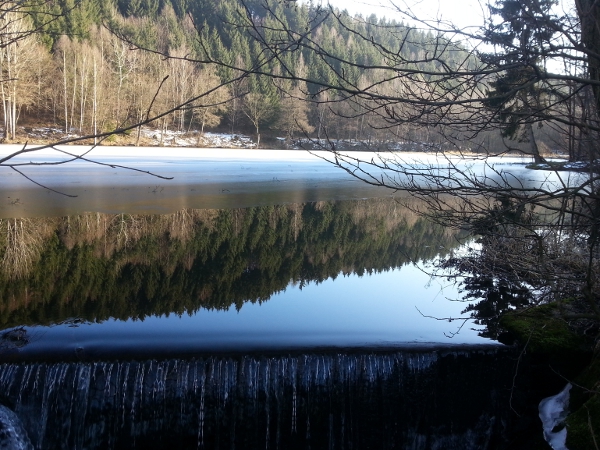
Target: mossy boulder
(543, 330)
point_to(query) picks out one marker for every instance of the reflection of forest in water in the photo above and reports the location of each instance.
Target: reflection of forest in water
(96, 266)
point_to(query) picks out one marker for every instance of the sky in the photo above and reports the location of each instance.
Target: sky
(460, 12)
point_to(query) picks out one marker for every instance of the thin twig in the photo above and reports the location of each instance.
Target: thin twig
(583, 388)
(448, 319)
(514, 381)
(41, 185)
(591, 427)
(155, 95)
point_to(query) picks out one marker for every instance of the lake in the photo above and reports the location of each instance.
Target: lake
(257, 299)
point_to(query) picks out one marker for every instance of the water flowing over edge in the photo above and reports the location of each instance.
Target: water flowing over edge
(254, 401)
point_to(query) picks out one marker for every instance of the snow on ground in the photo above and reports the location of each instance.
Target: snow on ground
(149, 137)
(196, 139)
(366, 145)
(553, 412)
(155, 137)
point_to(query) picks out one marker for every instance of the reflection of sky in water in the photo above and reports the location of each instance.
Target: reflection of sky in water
(351, 311)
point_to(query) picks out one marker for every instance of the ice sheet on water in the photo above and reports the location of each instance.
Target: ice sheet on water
(553, 411)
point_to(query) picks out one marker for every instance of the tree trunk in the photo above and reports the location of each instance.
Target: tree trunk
(82, 94)
(74, 95)
(66, 92)
(535, 151)
(13, 116)
(95, 108)
(589, 17)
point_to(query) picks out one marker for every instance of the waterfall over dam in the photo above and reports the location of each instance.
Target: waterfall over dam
(381, 400)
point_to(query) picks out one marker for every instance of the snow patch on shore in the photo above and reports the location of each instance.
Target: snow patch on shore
(553, 412)
(196, 139)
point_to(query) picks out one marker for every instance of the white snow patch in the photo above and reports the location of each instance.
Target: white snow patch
(576, 165)
(196, 139)
(553, 411)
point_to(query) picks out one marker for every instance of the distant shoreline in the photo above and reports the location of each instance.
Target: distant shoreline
(149, 137)
(152, 152)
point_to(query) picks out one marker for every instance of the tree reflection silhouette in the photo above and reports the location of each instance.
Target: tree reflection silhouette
(97, 266)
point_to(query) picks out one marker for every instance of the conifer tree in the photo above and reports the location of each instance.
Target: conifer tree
(518, 94)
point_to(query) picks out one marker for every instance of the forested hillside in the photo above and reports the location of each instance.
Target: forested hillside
(74, 74)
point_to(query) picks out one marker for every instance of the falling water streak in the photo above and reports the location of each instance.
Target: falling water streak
(294, 380)
(269, 392)
(83, 390)
(267, 404)
(124, 389)
(201, 410)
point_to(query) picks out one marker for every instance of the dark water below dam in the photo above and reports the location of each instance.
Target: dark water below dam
(431, 399)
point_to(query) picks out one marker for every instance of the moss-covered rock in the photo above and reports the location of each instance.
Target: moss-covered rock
(543, 330)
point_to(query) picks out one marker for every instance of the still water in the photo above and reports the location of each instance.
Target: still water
(256, 300)
(342, 274)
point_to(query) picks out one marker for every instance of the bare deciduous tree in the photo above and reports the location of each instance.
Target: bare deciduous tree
(18, 50)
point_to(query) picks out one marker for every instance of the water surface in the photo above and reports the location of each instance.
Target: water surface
(259, 299)
(345, 274)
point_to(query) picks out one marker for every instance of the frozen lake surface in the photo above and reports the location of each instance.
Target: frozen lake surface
(201, 178)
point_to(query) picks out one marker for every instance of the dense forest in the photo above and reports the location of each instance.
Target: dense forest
(80, 73)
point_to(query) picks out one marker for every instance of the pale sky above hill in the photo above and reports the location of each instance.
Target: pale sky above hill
(460, 12)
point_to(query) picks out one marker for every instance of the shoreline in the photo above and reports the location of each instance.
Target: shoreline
(43, 136)
(155, 151)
